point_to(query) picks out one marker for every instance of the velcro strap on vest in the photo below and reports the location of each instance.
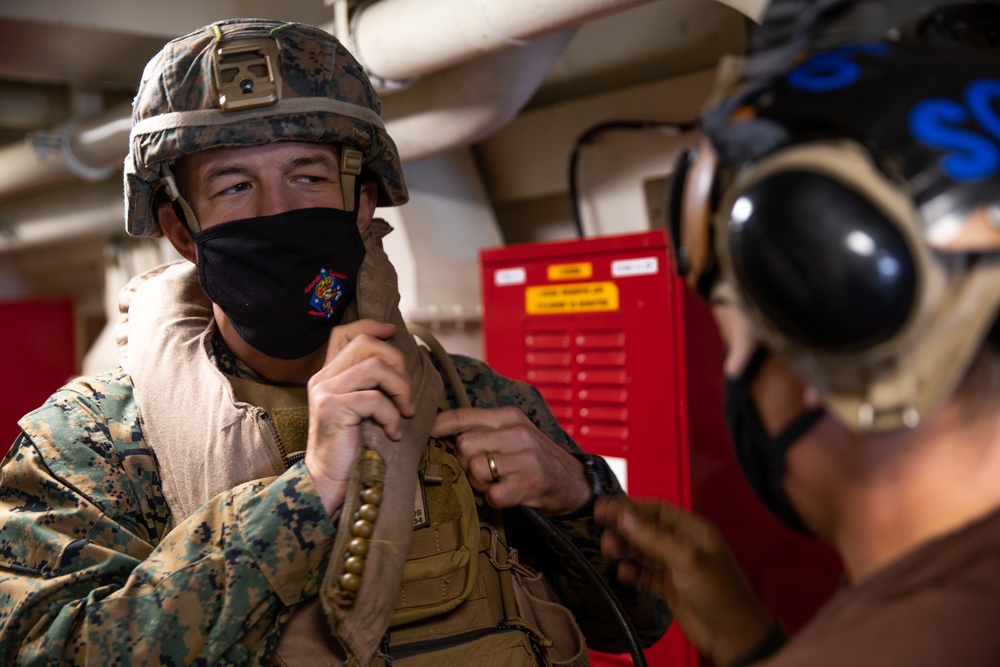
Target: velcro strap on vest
(434, 540)
(434, 590)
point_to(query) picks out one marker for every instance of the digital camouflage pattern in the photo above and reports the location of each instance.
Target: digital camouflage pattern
(93, 571)
(313, 66)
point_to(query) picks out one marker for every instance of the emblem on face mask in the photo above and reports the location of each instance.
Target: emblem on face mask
(327, 291)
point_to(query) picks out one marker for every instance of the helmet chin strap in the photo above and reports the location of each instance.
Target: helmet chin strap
(170, 183)
(350, 168)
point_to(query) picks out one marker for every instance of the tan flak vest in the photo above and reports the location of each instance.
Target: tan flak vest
(435, 573)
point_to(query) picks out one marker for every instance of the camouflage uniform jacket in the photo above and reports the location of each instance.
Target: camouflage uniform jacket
(94, 571)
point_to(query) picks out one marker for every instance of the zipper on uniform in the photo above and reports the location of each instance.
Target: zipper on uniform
(289, 460)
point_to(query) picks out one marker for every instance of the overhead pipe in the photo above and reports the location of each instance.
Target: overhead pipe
(467, 103)
(752, 9)
(104, 220)
(93, 147)
(450, 109)
(398, 40)
(462, 105)
(89, 148)
(78, 211)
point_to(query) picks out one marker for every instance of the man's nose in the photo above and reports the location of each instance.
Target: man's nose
(274, 199)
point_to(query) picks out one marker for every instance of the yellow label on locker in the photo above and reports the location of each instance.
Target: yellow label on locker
(571, 298)
(578, 270)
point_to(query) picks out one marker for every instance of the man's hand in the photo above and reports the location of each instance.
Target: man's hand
(682, 559)
(529, 469)
(363, 377)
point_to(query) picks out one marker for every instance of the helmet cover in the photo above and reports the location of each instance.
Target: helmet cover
(246, 82)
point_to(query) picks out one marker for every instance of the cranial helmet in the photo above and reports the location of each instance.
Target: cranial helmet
(245, 82)
(847, 198)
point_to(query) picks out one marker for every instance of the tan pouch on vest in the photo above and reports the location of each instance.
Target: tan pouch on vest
(441, 567)
(511, 616)
(463, 598)
(488, 647)
(540, 608)
(451, 608)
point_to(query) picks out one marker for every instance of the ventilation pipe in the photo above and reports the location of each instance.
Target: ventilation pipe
(93, 147)
(78, 211)
(89, 148)
(397, 40)
(463, 105)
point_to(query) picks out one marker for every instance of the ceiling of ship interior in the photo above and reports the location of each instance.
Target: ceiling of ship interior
(64, 60)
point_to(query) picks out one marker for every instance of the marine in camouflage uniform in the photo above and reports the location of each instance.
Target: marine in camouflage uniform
(95, 574)
(96, 567)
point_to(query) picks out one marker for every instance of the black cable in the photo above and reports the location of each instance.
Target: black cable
(588, 136)
(551, 534)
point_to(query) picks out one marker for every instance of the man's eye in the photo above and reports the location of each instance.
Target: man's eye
(239, 187)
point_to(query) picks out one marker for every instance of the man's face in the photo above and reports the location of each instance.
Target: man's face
(777, 391)
(780, 396)
(226, 184)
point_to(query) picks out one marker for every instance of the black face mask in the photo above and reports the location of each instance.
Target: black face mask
(761, 457)
(283, 280)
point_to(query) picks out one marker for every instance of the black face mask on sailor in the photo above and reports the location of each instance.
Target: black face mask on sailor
(283, 280)
(761, 456)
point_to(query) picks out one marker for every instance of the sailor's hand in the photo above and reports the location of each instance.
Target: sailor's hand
(511, 462)
(363, 377)
(682, 559)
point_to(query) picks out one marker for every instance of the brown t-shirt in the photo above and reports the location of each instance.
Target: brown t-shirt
(935, 607)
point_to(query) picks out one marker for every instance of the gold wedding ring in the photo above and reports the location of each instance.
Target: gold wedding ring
(494, 473)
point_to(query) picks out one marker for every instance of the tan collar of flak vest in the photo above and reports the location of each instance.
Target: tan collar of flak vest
(164, 339)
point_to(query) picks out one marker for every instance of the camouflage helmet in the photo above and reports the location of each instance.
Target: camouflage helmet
(245, 82)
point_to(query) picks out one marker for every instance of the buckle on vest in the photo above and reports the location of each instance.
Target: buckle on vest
(495, 546)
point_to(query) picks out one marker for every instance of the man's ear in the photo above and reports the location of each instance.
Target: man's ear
(367, 201)
(176, 232)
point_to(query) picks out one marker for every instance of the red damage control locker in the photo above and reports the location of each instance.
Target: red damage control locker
(630, 363)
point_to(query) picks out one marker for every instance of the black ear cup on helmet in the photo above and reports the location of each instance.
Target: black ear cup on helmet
(694, 195)
(824, 265)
